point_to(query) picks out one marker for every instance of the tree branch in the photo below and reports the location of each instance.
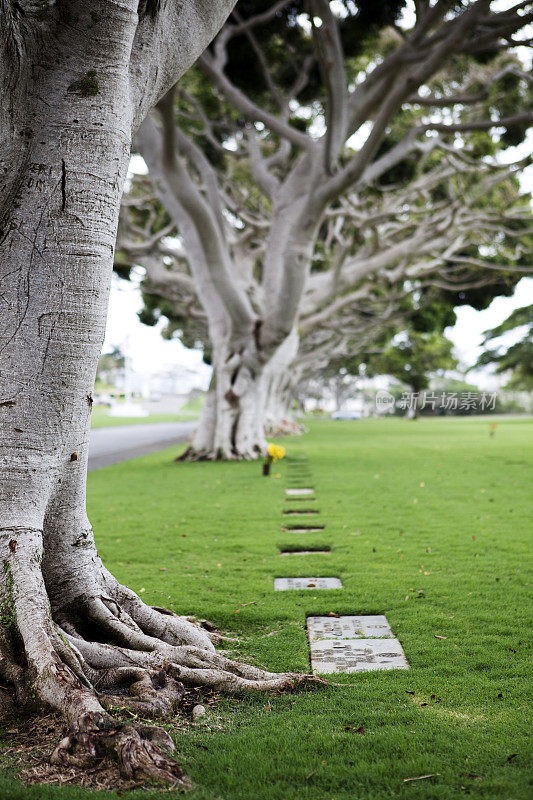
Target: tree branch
(247, 107)
(178, 192)
(331, 60)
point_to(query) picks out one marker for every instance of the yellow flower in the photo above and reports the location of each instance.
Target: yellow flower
(275, 451)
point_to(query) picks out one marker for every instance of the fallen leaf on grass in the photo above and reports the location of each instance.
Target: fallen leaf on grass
(333, 614)
(360, 729)
(420, 777)
(513, 755)
(439, 637)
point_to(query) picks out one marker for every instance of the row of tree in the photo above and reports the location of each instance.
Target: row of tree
(326, 176)
(329, 170)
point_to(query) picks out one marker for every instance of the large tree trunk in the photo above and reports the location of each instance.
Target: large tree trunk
(279, 419)
(279, 416)
(232, 421)
(65, 149)
(249, 394)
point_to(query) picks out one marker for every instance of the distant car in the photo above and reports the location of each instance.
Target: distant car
(346, 415)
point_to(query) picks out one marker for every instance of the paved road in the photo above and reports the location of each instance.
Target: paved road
(120, 443)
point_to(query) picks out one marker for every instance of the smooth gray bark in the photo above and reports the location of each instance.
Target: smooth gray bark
(78, 78)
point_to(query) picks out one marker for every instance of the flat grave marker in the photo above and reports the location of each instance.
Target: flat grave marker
(304, 552)
(361, 627)
(300, 499)
(353, 644)
(356, 655)
(296, 492)
(284, 584)
(304, 529)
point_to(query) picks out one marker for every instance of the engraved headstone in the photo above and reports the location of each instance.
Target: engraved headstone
(367, 627)
(356, 655)
(283, 584)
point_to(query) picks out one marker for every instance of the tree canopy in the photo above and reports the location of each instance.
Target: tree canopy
(356, 160)
(515, 360)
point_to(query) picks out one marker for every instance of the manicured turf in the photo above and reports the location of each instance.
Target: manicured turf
(428, 523)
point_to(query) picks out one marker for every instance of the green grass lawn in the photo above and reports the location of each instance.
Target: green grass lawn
(100, 416)
(427, 523)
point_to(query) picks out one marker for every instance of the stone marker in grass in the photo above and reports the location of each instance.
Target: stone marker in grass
(367, 627)
(356, 655)
(353, 644)
(296, 492)
(301, 511)
(305, 552)
(283, 584)
(306, 499)
(302, 528)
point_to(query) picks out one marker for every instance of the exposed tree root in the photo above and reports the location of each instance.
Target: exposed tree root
(191, 454)
(222, 454)
(137, 749)
(151, 693)
(107, 650)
